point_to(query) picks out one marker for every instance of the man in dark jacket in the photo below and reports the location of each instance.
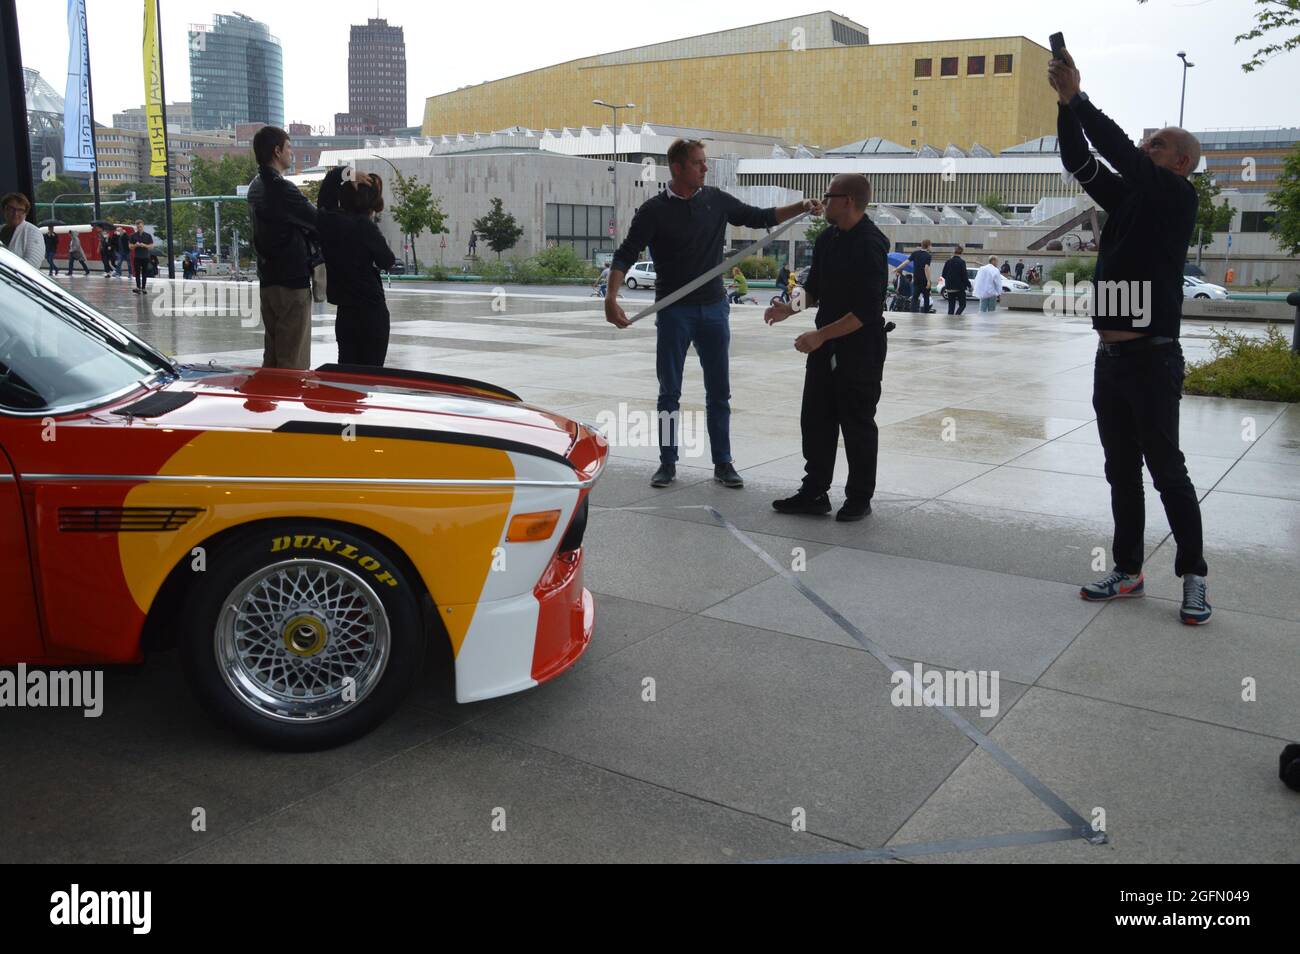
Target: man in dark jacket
(955, 282)
(846, 352)
(284, 226)
(122, 250)
(685, 226)
(355, 252)
(51, 247)
(1137, 313)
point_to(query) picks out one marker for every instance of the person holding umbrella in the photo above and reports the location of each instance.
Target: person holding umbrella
(18, 235)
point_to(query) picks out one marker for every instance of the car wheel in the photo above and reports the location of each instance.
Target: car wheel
(302, 636)
(631, 283)
(1202, 295)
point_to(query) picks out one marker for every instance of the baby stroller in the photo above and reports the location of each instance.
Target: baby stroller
(902, 300)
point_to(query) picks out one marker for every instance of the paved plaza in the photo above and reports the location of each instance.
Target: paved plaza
(735, 703)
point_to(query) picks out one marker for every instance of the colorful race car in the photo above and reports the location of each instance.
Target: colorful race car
(299, 536)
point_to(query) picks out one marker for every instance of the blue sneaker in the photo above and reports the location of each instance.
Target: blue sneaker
(1114, 586)
(1195, 610)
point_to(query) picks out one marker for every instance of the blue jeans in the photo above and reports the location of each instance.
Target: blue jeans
(989, 304)
(707, 327)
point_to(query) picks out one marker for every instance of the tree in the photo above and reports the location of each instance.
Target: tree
(218, 177)
(499, 228)
(140, 208)
(1210, 218)
(1286, 199)
(993, 202)
(416, 210)
(48, 191)
(815, 227)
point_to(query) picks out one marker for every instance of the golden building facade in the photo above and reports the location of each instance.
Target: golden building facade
(813, 80)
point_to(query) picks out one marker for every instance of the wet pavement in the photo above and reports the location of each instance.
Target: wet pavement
(772, 732)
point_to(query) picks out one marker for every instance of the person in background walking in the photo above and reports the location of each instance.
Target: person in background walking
(955, 282)
(18, 235)
(141, 247)
(51, 249)
(355, 253)
(783, 281)
(988, 285)
(106, 251)
(1020, 270)
(76, 254)
(920, 259)
(122, 251)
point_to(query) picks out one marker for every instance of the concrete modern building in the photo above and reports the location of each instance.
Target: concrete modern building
(124, 155)
(812, 79)
(236, 73)
(376, 81)
(180, 118)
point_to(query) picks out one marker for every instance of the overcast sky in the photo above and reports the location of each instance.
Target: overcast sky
(1125, 50)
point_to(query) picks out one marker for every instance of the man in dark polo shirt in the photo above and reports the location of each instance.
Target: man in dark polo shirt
(846, 352)
(1137, 310)
(685, 227)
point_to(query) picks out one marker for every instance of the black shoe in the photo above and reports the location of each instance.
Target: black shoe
(664, 476)
(801, 502)
(853, 510)
(726, 475)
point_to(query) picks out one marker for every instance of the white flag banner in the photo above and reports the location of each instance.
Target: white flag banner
(78, 127)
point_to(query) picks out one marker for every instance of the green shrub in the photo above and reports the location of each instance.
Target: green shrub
(1083, 270)
(563, 262)
(438, 273)
(492, 271)
(1253, 369)
(759, 266)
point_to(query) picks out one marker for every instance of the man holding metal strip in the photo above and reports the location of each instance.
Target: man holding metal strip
(685, 227)
(846, 352)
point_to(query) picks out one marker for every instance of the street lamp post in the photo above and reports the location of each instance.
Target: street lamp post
(601, 102)
(1182, 55)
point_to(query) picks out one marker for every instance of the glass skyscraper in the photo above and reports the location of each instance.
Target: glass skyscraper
(236, 73)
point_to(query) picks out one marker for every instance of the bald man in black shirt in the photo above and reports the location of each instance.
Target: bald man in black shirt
(846, 352)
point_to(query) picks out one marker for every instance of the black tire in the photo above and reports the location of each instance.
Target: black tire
(382, 596)
(1202, 295)
(631, 283)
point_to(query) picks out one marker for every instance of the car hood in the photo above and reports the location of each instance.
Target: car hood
(268, 399)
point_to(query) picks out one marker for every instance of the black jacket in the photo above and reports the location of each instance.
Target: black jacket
(848, 274)
(685, 237)
(284, 222)
(1152, 213)
(353, 246)
(955, 276)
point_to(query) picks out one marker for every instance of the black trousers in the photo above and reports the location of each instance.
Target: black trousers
(362, 334)
(918, 295)
(1136, 395)
(956, 300)
(141, 266)
(840, 394)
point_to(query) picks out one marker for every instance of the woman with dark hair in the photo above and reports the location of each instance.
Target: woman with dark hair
(355, 251)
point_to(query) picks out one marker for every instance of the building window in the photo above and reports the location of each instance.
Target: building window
(913, 122)
(915, 91)
(948, 66)
(914, 107)
(1257, 221)
(1002, 64)
(974, 66)
(922, 68)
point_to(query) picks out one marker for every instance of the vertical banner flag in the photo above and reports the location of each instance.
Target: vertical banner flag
(78, 129)
(153, 92)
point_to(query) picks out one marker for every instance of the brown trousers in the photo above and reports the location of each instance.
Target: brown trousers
(286, 318)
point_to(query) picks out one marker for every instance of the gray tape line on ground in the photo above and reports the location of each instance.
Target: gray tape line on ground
(956, 845)
(1058, 805)
(713, 273)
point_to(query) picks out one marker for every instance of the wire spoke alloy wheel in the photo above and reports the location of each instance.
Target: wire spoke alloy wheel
(302, 640)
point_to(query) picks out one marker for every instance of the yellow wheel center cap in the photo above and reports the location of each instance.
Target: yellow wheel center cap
(304, 635)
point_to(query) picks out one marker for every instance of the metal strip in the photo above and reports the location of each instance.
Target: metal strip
(954, 846)
(1079, 825)
(714, 272)
(341, 481)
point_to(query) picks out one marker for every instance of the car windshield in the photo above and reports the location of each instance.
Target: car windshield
(56, 352)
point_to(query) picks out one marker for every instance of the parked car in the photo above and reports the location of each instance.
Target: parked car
(1196, 288)
(301, 537)
(641, 275)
